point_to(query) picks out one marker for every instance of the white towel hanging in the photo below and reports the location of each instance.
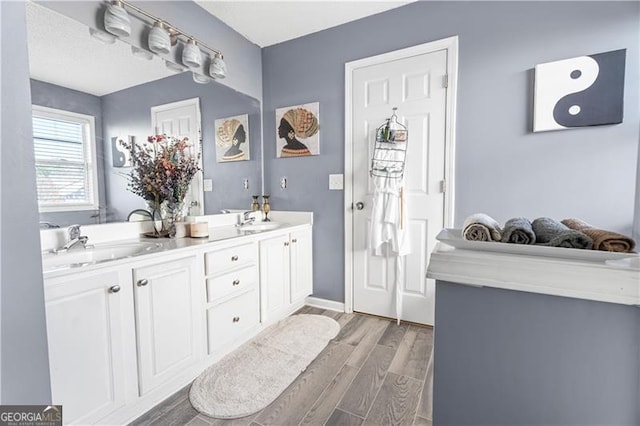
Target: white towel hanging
(388, 233)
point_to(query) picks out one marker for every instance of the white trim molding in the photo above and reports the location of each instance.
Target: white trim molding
(331, 305)
(612, 281)
(449, 44)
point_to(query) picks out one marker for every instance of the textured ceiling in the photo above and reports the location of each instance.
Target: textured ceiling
(62, 52)
(270, 22)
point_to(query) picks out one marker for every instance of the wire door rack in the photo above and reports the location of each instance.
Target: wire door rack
(390, 150)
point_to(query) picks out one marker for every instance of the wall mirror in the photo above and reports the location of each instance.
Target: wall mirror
(81, 85)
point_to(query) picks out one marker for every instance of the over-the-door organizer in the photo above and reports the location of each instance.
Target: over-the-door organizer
(390, 149)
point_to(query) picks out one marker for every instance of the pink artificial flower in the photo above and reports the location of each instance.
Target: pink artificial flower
(155, 138)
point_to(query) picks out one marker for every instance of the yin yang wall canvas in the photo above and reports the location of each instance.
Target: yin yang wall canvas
(579, 92)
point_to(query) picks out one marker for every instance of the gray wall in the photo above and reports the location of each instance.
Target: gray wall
(511, 358)
(24, 369)
(24, 362)
(502, 168)
(53, 96)
(636, 222)
(243, 58)
(128, 112)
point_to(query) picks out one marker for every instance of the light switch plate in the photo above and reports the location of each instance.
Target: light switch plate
(207, 185)
(336, 182)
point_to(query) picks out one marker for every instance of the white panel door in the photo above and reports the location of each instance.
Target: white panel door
(416, 86)
(180, 119)
(166, 314)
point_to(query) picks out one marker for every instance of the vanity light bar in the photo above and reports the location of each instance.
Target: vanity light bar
(174, 32)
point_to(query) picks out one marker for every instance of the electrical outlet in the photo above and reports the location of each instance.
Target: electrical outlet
(207, 185)
(336, 182)
(283, 183)
(245, 183)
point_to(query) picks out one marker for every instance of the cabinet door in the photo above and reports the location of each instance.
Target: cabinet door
(166, 313)
(274, 276)
(301, 265)
(85, 318)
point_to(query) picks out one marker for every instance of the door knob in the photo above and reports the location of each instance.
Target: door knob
(114, 288)
(143, 282)
(359, 205)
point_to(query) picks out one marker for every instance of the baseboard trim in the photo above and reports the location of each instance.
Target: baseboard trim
(316, 302)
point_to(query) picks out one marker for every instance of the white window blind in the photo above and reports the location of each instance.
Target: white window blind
(65, 161)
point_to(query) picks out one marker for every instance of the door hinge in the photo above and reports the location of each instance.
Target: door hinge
(445, 81)
(443, 186)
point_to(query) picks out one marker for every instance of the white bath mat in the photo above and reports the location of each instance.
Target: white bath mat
(254, 375)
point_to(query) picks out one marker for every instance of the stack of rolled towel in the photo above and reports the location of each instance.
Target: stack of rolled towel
(602, 239)
(570, 233)
(550, 232)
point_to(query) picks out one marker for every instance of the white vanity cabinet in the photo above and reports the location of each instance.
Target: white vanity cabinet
(301, 265)
(125, 335)
(89, 333)
(118, 333)
(168, 320)
(274, 277)
(286, 273)
(233, 298)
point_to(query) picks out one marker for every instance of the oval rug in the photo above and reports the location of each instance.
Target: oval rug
(254, 375)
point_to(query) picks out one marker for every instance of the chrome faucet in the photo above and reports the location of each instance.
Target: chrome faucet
(247, 218)
(73, 239)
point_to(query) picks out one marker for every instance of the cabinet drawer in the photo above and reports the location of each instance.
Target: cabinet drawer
(227, 258)
(227, 321)
(232, 282)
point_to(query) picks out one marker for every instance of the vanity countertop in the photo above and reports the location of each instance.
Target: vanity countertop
(126, 245)
(591, 275)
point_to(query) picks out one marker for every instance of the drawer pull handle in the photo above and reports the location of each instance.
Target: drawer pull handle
(236, 319)
(235, 282)
(234, 258)
(114, 289)
(286, 243)
(294, 241)
(143, 282)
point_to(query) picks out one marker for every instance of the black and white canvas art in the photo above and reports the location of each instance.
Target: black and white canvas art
(120, 154)
(579, 92)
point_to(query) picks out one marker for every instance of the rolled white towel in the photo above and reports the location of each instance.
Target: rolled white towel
(481, 227)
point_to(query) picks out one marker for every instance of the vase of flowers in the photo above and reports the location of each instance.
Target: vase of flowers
(161, 174)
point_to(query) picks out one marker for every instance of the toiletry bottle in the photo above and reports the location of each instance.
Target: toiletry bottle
(255, 205)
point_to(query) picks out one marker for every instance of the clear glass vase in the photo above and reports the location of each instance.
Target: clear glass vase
(165, 215)
(174, 212)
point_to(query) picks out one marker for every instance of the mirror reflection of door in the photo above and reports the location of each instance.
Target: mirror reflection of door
(182, 119)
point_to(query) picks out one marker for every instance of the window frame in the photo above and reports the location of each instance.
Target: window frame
(88, 123)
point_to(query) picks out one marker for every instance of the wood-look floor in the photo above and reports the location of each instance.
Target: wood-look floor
(373, 373)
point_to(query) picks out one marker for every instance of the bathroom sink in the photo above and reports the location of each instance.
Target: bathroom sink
(261, 226)
(96, 254)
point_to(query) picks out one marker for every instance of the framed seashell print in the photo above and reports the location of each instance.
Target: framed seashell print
(298, 130)
(232, 139)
